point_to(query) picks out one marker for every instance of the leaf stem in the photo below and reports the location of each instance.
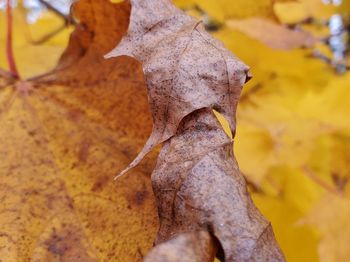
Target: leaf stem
(310, 174)
(9, 50)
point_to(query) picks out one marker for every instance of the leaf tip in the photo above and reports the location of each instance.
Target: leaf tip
(117, 52)
(110, 54)
(123, 48)
(248, 75)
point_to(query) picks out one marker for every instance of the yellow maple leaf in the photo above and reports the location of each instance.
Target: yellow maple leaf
(331, 216)
(224, 9)
(61, 147)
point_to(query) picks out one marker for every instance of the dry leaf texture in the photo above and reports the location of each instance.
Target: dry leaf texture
(185, 68)
(196, 181)
(198, 186)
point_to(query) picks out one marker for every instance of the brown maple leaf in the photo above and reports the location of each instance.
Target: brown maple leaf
(197, 182)
(186, 69)
(198, 186)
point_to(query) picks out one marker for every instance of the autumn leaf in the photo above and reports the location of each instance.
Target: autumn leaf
(198, 157)
(335, 236)
(271, 34)
(180, 76)
(61, 145)
(297, 11)
(82, 122)
(188, 73)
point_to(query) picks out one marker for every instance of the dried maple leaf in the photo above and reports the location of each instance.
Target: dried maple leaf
(198, 186)
(331, 217)
(196, 181)
(185, 68)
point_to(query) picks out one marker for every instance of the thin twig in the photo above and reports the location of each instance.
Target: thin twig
(255, 187)
(310, 174)
(67, 18)
(48, 36)
(253, 90)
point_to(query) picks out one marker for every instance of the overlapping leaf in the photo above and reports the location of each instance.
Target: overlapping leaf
(198, 186)
(185, 68)
(294, 113)
(61, 145)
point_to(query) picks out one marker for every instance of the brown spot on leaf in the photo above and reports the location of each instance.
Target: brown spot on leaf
(100, 183)
(140, 197)
(84, 150)
(340, 182)
(66, 243)
(74, 115)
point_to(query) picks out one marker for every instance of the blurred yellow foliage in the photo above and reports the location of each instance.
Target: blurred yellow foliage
(293, 140)
(225, 9)
(26, 50)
